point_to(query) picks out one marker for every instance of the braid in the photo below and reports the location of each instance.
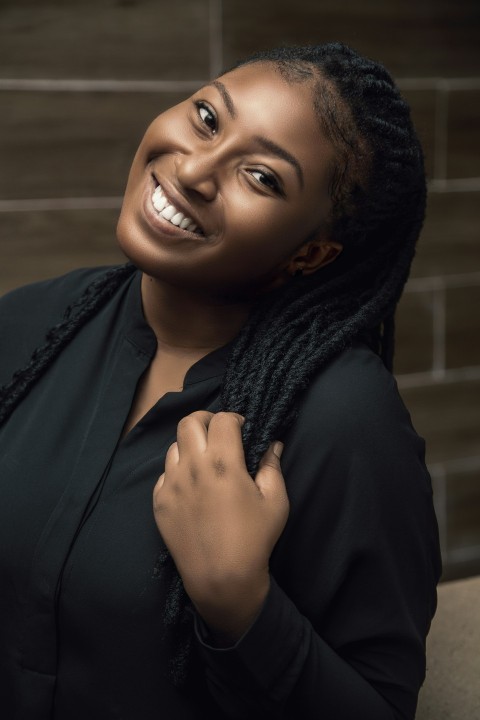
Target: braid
(378, 194)
(75, 317)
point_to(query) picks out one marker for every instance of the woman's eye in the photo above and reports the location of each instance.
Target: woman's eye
(207, 116)
(267, 179)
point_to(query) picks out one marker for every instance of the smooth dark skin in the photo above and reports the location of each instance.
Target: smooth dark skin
(219, 526)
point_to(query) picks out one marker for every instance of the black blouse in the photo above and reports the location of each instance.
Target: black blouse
(342, 631)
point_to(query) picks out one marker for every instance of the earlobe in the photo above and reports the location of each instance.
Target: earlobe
(312, 256)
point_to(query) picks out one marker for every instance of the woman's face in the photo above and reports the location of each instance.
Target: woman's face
(242, 168)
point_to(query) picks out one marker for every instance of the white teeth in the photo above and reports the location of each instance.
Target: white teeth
(170, 212)
(177, 219)
(159, 202)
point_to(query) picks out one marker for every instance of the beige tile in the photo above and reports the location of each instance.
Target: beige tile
(449, 243)
(412, 39)
(463, 510)
(448, 417)
(72, 144)
(414, 333)
(89, 39)
(39, 245)
(463, 327)
(463, 158)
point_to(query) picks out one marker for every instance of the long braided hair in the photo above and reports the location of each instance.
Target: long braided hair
(377, 189)
(378, 196)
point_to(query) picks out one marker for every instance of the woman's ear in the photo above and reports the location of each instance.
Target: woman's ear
(313, 255)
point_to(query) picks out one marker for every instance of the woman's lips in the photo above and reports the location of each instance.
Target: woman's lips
(170, 210)
(161, 225)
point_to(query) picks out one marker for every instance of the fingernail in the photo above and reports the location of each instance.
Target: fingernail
(278, 449)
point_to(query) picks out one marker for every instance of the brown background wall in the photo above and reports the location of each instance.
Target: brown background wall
(80, 80)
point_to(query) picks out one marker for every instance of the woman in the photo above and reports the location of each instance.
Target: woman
(270, 222)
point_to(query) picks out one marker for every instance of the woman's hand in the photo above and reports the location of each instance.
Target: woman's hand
(219, 525)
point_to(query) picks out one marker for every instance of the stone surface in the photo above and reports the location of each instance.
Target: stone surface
(105, 39)
(463, 157)
(463, 327)
(72, 144)
(414, 333)
(422, 104)
(463, 510)
(449, 241)
(426, 38)
(447, 415)
(38, 245)
(452, 687)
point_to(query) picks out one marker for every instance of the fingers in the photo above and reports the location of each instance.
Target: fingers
(220, 433)
(172, 457)
(269, 477)
(192, 432)
(225, 436)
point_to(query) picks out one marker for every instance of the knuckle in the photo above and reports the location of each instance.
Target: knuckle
(184, 423)
(219, 467)
(222, 416)
(171, 450)
(227, 418)
(193, 474)
(159, 504)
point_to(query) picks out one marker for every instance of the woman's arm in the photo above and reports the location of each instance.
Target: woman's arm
(340, 632)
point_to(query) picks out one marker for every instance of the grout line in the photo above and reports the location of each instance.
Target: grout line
(444, 185)
(457, 465)
(439, 332)
(429, 378)
(436, 83)
(68, 203)
(216, 37)
(463, 554)
(438, 282)
(441, 130)
(105, 85)
(216, 62)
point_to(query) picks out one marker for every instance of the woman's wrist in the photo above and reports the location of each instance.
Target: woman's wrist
(229, 612)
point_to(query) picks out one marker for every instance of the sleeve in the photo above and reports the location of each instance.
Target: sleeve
(341, 635)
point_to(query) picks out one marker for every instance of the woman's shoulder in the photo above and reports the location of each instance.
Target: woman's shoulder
(355, 386)
(28, 312)
(355, 440)
(43, 300)
(352, 412)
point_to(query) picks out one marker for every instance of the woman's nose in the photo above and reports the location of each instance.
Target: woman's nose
(196, 172)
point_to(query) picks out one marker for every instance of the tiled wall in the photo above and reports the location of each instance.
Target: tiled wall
(79, 81)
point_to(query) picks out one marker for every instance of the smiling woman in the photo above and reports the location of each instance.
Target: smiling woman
(270, 222)
(236, 160)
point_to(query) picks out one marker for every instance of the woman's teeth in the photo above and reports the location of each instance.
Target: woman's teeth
(170, 213)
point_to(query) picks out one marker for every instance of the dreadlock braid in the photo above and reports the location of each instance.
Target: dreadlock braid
(378, 196)
(75, 316)
(377, 190)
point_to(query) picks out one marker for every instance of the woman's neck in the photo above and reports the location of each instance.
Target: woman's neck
(186, 321)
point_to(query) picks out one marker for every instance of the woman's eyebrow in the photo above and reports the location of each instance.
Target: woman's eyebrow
(266, 144)
(280, 152)
(226, 97)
